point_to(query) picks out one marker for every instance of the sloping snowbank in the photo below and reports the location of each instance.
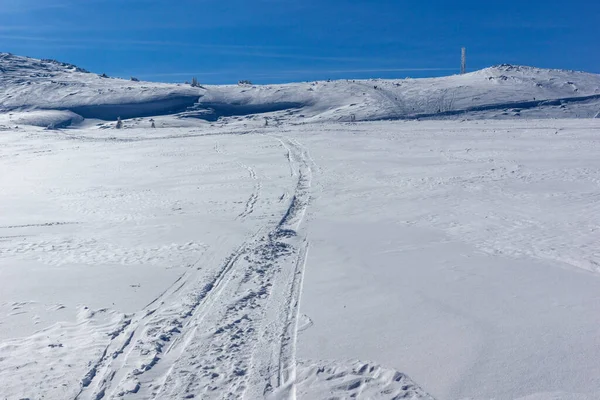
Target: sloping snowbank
(42, 118)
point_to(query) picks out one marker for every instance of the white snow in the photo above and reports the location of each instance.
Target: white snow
(500, 92)
(229, 259)
(29, 84)
(462, 254)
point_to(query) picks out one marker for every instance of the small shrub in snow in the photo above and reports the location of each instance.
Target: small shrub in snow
(244, 82)
(134, 79)
(195, 82)
(119, 123)
(103, 76)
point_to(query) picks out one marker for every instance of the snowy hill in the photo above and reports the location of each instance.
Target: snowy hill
(31, 84)
(492, 89)
(262, 257)
(67, 93)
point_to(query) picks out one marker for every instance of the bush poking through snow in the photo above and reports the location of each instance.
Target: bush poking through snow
(119, 123)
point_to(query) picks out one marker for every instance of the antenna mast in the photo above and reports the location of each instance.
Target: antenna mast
(463, 61)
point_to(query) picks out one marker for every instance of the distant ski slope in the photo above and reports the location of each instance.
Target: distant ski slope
(499, 92)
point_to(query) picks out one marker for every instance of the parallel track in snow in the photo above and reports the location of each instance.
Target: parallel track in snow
(231, 334)
(249, 207)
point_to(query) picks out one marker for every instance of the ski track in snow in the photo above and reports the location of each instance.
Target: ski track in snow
(238, 357)
(232, 333)
(251, 202)
(249, 207)
(233, 339)
(228, 325)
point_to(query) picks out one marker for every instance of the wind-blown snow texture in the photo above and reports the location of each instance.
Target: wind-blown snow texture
(499, 91)
(27, 84)
(226, 256)
(251, 263)
(503, 91)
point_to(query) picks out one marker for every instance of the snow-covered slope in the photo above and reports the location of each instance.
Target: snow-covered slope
(31, 84)
(499, 88)
(503, 91)
(381, 260)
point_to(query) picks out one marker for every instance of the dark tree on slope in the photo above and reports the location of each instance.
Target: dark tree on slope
(119, 123)
(195, 82)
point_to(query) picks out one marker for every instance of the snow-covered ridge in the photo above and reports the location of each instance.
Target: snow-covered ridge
(503, 91)
(499, 89)
(27, 83)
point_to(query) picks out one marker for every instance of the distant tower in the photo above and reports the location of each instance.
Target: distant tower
(463, 61)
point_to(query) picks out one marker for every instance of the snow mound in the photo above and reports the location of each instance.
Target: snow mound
(31, 84)
(63, 354)
(42, 118)
(350, 380)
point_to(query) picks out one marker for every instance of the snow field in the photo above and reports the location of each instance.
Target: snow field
(233, 262)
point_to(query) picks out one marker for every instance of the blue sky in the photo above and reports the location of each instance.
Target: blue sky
(296, 40)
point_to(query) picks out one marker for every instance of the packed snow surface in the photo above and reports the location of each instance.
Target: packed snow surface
(419, 260)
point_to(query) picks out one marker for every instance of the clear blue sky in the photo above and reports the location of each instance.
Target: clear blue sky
(222, 41)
